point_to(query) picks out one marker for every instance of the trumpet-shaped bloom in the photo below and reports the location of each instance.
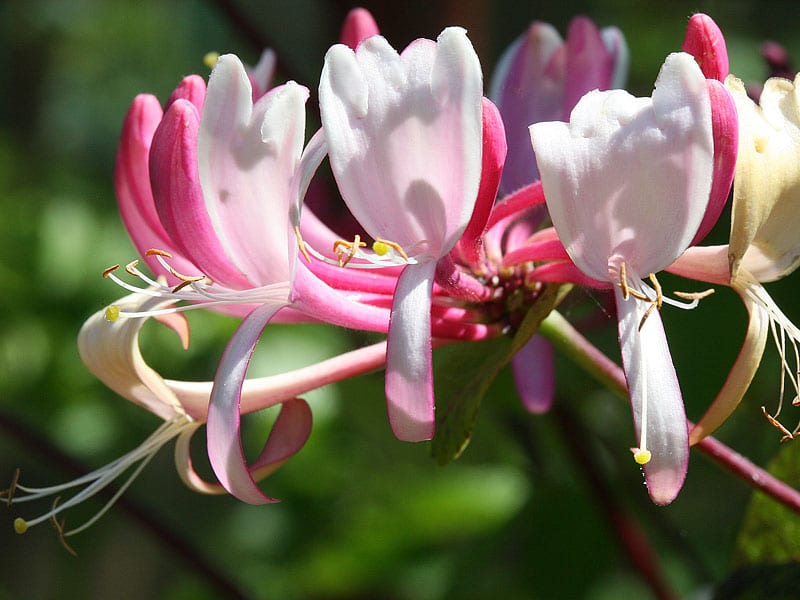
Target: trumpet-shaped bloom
(627, 183)
(404, 139)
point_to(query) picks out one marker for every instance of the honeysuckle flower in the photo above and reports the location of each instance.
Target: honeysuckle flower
(764, 244)
(404, 140)
(359, 24)
(541, 77)
(621, 225)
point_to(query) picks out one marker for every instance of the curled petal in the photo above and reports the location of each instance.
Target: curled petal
(223, 428)
(740, 375)
(409, 378)
(110, 350)
(658, 414)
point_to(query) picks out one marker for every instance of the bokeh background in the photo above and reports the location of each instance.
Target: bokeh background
(528, 511)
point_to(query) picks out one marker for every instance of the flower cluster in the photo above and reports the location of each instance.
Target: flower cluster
(454, 195)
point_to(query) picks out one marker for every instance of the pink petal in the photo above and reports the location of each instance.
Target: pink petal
(247, 156)
(704, 41)
(528, 87)
(179, 198)
(358, 26)
(534, 376)
(223, 427)
(409, 377)
(193, 89)
(494, 154)
(725, 124)
(404, 137)
(132, 184)
(652, 382)
(590, 66)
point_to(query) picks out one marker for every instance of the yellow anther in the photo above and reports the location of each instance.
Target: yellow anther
(642, 457)
(112, 313)
(20, 525)
(385, 245)
(380, 248)
(210, 59)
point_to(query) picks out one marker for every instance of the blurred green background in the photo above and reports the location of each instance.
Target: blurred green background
(525, 513)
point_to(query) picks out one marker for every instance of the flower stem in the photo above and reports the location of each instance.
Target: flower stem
(581, 351)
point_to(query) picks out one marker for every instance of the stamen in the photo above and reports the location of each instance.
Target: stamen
(787, 435)
(623, 282)
(641, 454)
(8, 495)
(210, 59)
(381, 248)
(342, 248)
(95, 481)
(301, 245)
(110, 270)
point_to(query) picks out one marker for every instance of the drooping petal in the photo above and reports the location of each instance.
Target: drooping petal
(649, 211)
(404, 137)
(358, 26)
(655, 398)
(223, 428)
(534, 376)
(247, 156)
(409, 377)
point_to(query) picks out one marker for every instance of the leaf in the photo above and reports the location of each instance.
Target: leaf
(465, 372)
(771, 532)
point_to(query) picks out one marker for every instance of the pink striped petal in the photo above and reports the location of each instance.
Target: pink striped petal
(132, 185)
(179, 199)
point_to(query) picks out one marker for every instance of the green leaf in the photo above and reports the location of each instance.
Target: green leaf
(771, 532)
(464, 372)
